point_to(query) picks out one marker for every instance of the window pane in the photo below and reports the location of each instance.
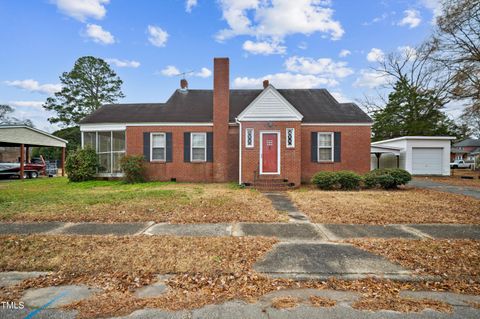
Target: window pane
(117, 157)
(158, 154)
(198, 154)
(325, 154)
(90, 140)
(249, 137)
(158, 140)
(119, 141)
(324, 140)
(104, 141)
(290, 137)
(198, 140)
(104, 161)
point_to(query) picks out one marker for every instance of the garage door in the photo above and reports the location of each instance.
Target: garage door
(427, 161)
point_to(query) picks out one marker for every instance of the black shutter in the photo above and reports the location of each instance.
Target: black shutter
(209, 146)
(314, 146)
(146, 146)
(168, 141)
(186, 147)
(337, 149)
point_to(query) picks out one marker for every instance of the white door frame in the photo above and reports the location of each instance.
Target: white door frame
(261, 152)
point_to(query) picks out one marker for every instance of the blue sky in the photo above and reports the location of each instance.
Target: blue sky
(297, 44)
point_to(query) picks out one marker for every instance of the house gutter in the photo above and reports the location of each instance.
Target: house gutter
(239, 152)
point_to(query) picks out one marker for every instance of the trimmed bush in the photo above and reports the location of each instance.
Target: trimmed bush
(387, 178)
(348, 180)
(81, 165)
(133, 169)
(325, 180)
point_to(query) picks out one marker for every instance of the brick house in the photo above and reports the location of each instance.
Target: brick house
(466, 150)
(247, 136)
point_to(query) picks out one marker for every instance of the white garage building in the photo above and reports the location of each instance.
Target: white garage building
(419, 155)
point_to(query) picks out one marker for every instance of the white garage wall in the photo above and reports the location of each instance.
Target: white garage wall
(406, 144)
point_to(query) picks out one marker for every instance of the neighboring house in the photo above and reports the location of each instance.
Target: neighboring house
(224, 135)
(419, 155)
(465, 150)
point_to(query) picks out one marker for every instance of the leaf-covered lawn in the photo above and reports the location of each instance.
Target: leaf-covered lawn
(456, 179)
(386, 207)
(56, 199)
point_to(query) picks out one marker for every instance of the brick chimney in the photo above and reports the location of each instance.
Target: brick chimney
(221, 106)
(265, 84)
(183, 84)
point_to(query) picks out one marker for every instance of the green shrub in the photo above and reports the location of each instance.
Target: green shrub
(133, 169)
(348, 180)
(325, 180)
(387, 178)
(81, 165)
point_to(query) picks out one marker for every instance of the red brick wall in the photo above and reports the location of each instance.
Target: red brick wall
(159, 171)
(355, 150)
(290, 158)
(221, 105)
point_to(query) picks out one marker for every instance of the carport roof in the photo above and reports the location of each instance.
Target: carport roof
(415, 138)
(15, 135)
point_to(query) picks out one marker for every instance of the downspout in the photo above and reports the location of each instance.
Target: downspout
(239, 151)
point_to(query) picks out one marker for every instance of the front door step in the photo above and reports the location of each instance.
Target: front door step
(324, 260)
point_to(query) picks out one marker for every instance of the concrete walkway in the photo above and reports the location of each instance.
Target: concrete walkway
(283, 231)
(454, 189)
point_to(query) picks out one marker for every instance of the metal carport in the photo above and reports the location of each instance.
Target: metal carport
(25, 137)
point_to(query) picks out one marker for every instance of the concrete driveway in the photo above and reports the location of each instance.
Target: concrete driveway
(454, 189)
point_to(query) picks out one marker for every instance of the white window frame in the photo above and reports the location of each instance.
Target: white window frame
(324, 147)
(164, 148)
(191, 147)
(293, 137)
(247, 131)
(112, 152)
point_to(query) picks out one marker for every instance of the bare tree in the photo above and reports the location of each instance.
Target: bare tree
(456, 47)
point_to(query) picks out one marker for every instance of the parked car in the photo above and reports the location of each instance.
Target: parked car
(460, 164)
(30, 170)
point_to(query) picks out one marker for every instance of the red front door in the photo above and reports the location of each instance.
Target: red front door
(269, 153)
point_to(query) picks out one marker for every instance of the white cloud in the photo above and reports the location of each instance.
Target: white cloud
(170, 70)
(344, 53)
(157, 36)
(98, 34)
(32, 104)
(123, 63)
(264, 47)
(285, 80)
(408, 51)
(324, 67)
(375, 55)
(340, 97)
(82, 9)
(204, 73)
(277, 19)
(303, 45)
(371, 79)
(434, 5)
(411, 19)
(189, 4)
(34, 86)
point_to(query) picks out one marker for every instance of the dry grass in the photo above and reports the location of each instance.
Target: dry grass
(322, 302)
(285, 302)
(386, 207)
(206, 271)
(451, 259)
(396, 303)
(148, 254)
(110, 201)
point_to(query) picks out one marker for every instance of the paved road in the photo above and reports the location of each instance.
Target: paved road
(423, 183)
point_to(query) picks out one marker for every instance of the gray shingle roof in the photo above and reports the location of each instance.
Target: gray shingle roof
(316, 105)
(468, 142)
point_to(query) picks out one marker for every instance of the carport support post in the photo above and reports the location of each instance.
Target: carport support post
(378, 159)
(63, 161)
(22, 160)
